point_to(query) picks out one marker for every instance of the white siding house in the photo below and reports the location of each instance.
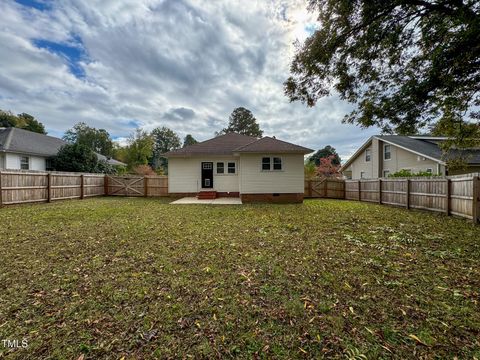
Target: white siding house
(26, 150)
(254, 169)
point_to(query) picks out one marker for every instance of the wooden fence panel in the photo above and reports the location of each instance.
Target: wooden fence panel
(22, 187)
(394, 192)
(127, 185)
(156, 186)
(93, 185)
(428, 194)
(370, 190)
(352, 191)
(325, 188)
(65, 186)
(461, 197)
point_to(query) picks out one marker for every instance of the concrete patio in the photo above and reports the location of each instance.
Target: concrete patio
(217, 201)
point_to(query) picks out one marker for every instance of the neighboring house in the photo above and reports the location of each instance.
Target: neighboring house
(383, 155)
(26, 150)
(254, 169)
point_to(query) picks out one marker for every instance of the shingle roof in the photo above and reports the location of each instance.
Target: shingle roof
(269, 144)
(232, 143)
(28, 142)
(31, 143)
(424, 147)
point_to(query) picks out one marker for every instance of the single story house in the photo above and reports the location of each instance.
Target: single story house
(26, 150)
(383, 155)
(265, 169)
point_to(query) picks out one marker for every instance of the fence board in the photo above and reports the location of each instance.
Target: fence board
(325, 188)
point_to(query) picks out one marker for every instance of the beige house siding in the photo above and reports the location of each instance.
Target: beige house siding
(253, 180)
(184, 175)
(400, 159)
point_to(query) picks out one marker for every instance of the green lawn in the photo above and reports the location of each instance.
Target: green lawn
(138, 278)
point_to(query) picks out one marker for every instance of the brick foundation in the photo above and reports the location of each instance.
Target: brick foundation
(273, 198)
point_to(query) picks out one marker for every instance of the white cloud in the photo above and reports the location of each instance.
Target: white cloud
(185, 64)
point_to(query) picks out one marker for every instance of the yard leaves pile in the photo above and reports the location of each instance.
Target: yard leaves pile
(133, 278)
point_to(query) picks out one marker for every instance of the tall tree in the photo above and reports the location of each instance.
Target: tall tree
(325, 153)
(164, 140)
(98, 140)
(75, 157)
(139, 149)
(403, 63)
(28, 122)
(189, 140)
(22, 121)
(7, 119)
(242, 121)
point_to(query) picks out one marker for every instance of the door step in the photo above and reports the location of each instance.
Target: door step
(207, 195)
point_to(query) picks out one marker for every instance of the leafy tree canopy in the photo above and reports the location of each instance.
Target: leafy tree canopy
(403, 63)
(164, 140)
(79, 158)
(98, 140)
(242, 121)
(325, 153)
(139, 149)
(22, 121)
(189, 140)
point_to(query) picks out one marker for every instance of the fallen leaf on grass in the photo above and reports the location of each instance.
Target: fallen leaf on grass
(414, 337)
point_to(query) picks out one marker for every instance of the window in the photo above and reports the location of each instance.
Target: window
(231, 168)
(362, 175)
(368, 155)
(429, 170)
(265, 163)
(386, 173)
(24, 162)
(277, 163)
(48, 164)
(207, 166)
(386, 152)
(220, 168)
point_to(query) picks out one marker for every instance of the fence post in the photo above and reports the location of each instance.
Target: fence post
(359, 190)
(105, 185)
(407, 204)
(145, 185)
(49, 187)
(448, 191)
(1, 192)
(475, 200)
(82, 187)
(379, 191)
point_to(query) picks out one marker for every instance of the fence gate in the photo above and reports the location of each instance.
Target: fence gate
(125, 185)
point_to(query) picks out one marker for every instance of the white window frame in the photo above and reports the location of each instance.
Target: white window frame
(368, 155)
(430, 170)
(271, 163)
(383, 173)
(385, 152)
(22, 163)
(362, 175)
(234, 168)
(216, 168)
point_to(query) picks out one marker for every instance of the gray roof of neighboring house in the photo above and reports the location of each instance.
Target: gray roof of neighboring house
(232, 143)
(22, 141)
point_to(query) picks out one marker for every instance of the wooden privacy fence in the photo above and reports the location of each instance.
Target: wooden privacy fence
(19, 187)
(452, 196)
(325, 188)
(136, 185)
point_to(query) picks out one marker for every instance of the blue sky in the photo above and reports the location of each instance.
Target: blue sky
(185, 64)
